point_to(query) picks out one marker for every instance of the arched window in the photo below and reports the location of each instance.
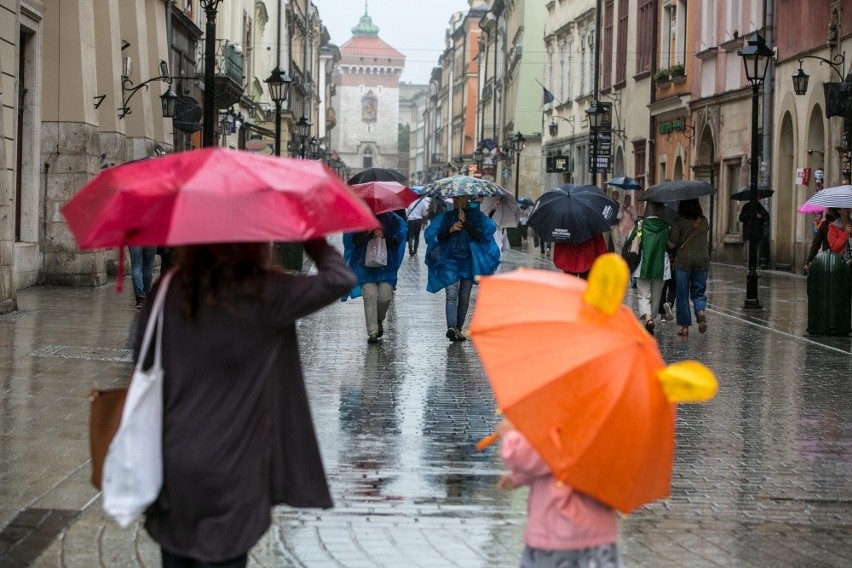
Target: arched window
(367, 159)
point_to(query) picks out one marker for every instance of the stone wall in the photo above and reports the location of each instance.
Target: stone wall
(73, 151)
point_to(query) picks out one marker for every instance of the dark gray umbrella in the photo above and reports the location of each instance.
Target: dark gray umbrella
(744, 193)
(378, 174)
(677, 190)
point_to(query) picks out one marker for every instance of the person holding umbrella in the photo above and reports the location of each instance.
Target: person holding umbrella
(577, 259)
(755, 219)
(376, 283)
(654, 267)
(689, 238)
(460, 245)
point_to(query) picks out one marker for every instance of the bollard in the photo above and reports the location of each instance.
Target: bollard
(829, 295)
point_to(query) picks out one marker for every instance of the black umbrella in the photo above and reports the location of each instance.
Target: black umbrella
(573, 214)
(378, 174)
(677, 190)
(745, 193)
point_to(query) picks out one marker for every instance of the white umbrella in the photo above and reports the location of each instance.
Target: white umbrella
(503, 210)
(840, 197)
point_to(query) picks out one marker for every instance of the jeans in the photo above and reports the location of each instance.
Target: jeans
(689, 285)
(142, 269)
(414, 227)
(458, 300)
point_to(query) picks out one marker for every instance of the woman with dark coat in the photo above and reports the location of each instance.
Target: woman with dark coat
(689, 237)
(237, 431)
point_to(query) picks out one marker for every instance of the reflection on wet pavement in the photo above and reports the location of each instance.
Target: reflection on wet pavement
(761, 475)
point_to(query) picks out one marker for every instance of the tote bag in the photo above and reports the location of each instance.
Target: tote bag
(377, 253)
(133, 467)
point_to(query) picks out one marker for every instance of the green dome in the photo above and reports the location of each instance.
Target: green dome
(366, 27)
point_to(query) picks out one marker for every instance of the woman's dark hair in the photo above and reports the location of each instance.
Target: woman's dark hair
(214, 274)
(690, 209)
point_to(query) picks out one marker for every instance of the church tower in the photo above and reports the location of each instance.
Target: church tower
(366, 99)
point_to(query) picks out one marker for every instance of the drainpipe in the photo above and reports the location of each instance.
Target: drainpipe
(768, 85)
(464, 89)
(494, 82)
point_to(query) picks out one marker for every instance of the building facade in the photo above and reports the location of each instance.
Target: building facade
(366, 99)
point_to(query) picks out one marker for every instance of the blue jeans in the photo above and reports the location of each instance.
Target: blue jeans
(458, 300)
(689, 285)
(142, 269)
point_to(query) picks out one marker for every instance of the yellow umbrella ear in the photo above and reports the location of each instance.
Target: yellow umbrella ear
(607, 283)
(688, 381)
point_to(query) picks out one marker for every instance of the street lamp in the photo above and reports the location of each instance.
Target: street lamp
(210, 8)
(303, 130)
(478, 156)
(756, 57)
(458, 162)
(278, 84)
(518, 142)
(596, 113)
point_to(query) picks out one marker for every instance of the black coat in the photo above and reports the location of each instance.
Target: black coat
(238, 436)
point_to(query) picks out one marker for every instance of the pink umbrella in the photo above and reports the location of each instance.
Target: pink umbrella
(213, 195)
(810, 208)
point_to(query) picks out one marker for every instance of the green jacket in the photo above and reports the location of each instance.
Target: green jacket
(654, 234)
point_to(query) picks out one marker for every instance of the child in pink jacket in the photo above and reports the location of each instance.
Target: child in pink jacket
(564, 527)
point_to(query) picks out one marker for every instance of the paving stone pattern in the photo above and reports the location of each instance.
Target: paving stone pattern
(761, 475)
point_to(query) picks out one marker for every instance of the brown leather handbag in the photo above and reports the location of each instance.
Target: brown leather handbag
(104, 418)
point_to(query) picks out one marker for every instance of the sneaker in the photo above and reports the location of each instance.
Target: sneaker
(373, 338)
(460, 336)
(381, 330)
(663, 319)
(702, 322)
(140, 301)
(451, 334)
(667, 307)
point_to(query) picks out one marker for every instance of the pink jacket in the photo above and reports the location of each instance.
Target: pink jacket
(558, 517)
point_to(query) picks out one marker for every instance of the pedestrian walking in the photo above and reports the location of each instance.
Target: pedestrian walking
(142, 272)
(755, 220)
(565, 527)
(654, 267)
(839, 232)
(416, 214)
(820, 240)
(376, 283)
(460, 245)
(626, 220)
(237, 431)
(577, 259)
(609, 238)
(689, 238)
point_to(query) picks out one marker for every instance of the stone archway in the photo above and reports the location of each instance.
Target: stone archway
(705, 170)
(677, 173)
(785, 195)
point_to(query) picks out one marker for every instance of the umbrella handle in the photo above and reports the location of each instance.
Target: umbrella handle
(486, 441)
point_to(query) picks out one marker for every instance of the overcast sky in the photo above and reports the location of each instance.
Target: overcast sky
(416, 28)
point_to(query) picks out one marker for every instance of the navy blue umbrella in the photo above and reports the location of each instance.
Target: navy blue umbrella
(378, 174)
(573, 214)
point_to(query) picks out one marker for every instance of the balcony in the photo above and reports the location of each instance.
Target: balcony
(228, 83)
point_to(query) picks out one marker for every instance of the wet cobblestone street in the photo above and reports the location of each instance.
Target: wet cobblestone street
(762, 472)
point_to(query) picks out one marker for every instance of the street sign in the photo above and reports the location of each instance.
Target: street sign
(556, 164)
(603, 165)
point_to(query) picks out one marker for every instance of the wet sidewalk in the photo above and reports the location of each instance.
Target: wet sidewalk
(761, 475)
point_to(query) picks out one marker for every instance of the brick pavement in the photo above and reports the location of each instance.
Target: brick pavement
(761, 475)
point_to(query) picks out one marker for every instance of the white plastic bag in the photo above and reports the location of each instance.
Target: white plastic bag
(377, 253)
(133, 467)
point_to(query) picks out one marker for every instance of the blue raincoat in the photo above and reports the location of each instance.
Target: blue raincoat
(396, 235)
(461, 255)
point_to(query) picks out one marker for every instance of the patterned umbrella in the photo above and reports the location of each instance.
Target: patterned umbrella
(840, 197)
(458, 186)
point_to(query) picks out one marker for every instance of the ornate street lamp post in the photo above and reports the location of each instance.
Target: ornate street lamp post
(303, 131)
(756, 57)
(478, 156)
(278, 84)
(596, 114)
(208, 135)
(518, 142)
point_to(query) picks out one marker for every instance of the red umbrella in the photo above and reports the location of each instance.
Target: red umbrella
(384, 196)
(212, 196)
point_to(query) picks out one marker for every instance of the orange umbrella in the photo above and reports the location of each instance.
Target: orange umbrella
(574, 371)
